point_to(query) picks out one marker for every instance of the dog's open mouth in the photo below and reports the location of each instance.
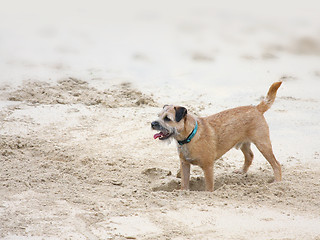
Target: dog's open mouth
(162, 135)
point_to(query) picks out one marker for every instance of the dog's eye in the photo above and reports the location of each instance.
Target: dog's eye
(167, 119)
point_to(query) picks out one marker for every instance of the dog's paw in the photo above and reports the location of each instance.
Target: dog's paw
(239, 171)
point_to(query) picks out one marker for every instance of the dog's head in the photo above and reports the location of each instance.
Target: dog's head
(170, 122)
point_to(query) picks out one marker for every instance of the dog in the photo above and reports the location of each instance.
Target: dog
(203, 140)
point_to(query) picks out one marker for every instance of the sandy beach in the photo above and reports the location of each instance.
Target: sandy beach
(81, 81)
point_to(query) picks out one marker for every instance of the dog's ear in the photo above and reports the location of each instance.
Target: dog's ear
(166, 105)
(181, 112)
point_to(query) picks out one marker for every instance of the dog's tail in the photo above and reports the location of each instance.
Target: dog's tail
(267, 102)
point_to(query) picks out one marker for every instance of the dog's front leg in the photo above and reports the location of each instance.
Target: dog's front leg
(208, 176)
(185, 174)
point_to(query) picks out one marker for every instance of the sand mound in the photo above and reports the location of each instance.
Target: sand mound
(196, 184)
(73, 91)
(157, 173)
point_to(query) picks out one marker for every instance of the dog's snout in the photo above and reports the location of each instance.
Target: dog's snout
(155, 124)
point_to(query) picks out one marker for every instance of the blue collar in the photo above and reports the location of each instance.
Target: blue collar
(188, 139)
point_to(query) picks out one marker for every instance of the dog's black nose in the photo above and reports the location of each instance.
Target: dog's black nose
(155, 124)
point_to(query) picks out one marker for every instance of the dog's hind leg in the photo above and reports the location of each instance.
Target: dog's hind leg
(248, 157)
(265, 147)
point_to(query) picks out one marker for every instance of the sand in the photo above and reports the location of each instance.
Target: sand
(77, 96)
(81, 164)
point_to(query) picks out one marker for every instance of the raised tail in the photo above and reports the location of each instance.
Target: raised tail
(267, 102)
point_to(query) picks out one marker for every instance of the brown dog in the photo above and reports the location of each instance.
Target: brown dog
(202, 140)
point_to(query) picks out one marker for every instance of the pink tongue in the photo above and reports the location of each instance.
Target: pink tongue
(157, 135)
